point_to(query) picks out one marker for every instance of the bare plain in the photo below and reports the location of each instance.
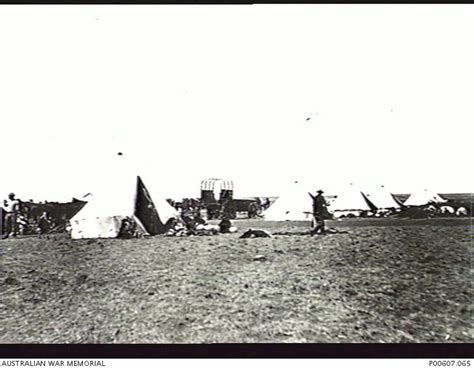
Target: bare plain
(379, 280)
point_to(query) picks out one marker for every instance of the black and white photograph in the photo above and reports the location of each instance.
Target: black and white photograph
(250, 174)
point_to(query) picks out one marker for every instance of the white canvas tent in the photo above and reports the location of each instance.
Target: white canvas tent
(351, 200)
(294, 204)
(382, 198)
(424, 197)
(120, 198)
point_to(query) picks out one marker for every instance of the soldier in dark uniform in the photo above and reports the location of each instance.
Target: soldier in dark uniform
(319, 212)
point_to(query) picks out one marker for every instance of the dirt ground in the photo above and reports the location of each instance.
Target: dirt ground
(377, 280)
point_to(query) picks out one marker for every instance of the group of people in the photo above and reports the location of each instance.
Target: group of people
(195, 225)
(15, 219)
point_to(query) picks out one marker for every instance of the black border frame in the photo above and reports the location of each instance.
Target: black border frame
(269, 351)
(231, 351)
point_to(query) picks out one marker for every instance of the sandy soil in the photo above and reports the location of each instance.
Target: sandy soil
(375, 281)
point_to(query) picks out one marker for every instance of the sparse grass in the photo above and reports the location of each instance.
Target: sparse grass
(410, 282)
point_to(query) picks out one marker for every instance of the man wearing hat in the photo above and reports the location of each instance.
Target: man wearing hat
(319, 211)
(12, 209)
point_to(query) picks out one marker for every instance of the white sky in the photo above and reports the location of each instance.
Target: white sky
(191, 92)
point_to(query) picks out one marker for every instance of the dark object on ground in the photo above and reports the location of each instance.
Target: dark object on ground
(255, 233)
(225, 225)
(260, 258)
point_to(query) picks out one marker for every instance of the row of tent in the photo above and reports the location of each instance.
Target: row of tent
(295, 204)
(126, 197)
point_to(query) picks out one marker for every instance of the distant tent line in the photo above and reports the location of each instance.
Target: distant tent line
(102, 214)
(125, 198)
(296, 203)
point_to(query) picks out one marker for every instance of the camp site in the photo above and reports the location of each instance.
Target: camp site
(118, 272)
(236, 174)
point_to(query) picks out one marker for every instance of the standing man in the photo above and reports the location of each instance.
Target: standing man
(12, 210)
(319, 212)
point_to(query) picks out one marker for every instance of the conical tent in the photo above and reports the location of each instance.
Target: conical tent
(351, 198)
(382, 198)
(424, 197)
(294, 204)
(124, 197)
(163, 208)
